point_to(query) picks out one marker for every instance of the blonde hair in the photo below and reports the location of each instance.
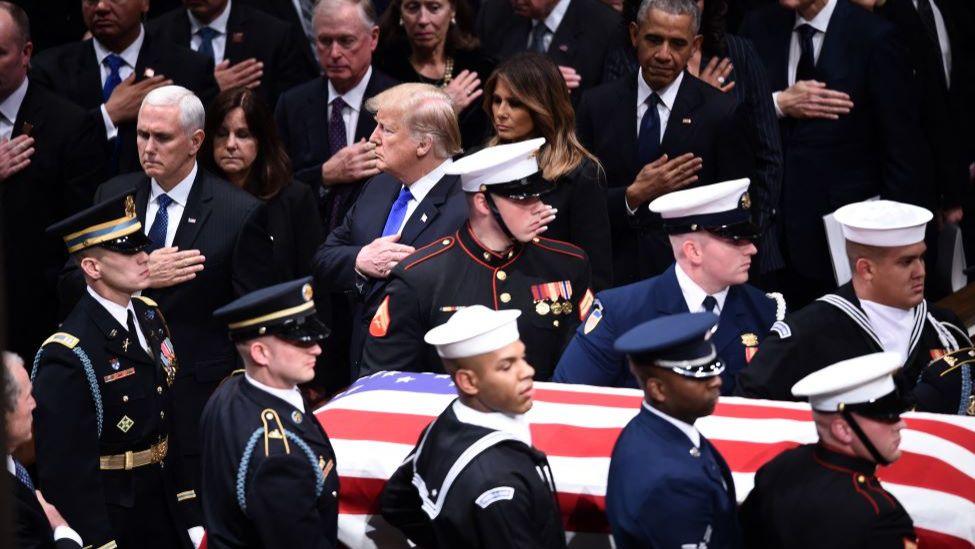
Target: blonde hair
(425, 110)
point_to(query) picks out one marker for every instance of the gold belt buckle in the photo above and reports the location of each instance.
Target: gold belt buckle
(129, 460)
(158, 451)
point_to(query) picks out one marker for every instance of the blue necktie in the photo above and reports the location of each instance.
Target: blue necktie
(206, 42)
(114, 63)
(538, 37)
(397, 212)
(648, 142)
(23, 475)
(157, 233)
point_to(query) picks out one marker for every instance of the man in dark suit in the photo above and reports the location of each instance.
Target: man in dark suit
(209, 245)
(323, 123)
(111, 73)
(660, 130)
(49, 167)
(300, 17)
(248, 47)
(849, 120)
(411, 204)
(37, 523)
(576, 34)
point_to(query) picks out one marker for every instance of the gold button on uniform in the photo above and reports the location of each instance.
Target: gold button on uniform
(159, 389)
(162, 415)
(555, 323)
(502, 275)
(445, 242)
(861, 479)
(505, 297)
(125, 398)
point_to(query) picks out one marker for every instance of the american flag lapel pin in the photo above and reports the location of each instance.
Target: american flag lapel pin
(149, 72)
(423, 218)
(26, 128)
(191, 220)
(237, 37)
(563, 48)
(685, 121)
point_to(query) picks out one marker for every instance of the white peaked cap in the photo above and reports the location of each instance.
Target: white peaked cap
(473, 331)
(707, 199)
(883, 223)
(853, 381)
(498, 164)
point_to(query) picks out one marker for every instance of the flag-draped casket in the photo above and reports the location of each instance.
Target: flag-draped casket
(375, 423)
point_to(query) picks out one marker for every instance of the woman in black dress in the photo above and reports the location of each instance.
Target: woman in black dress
(432, 41)
(526, 97)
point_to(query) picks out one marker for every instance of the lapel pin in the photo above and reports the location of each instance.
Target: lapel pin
(26, 128)
(113, 333)
(423, 218)
(685, 121)
(563, 48)
(191, 220)
(237, 37)
(125, 345)
(149, 72)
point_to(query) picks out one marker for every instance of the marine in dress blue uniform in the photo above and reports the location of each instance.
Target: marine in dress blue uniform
(668, 486)
(103, 386)
(721, 212)
(269, 471)
(827, 494)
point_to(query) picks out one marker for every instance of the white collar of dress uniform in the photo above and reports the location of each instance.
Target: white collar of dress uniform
(694, 295)
(11, 468)
(118, 312)
(554, 18)
(686, 428)
(11, 105)
(292, 396)
(218, 24)
(821, 21)
(130, 54)
(667, 94)
(354, 97)
(180, 193)
(514, 425)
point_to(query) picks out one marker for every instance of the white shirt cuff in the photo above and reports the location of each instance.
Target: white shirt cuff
(65, 532)
(626, 204)
(110, 130)
(775, 103)
(196, 535)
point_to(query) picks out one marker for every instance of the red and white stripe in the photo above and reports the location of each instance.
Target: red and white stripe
(576, 426)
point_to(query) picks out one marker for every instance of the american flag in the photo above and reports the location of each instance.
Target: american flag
(375, 423)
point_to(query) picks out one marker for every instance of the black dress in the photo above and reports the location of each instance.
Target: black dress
(474, 122)
(296, 230)
(582, 219)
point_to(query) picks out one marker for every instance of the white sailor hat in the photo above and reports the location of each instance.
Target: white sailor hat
(509, 170)
(721, 208)
(883, 223)
(474, 330)
(864, 385)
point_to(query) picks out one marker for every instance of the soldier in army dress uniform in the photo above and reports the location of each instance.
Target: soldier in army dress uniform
(496, 259)
(474, 480)
(103, 387)
(269, 472)
(827, 494)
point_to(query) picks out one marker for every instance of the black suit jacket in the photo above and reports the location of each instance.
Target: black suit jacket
(302, 117)
(587, 33)
(440, 213)
(251, 33)
(60, 180)
(872, 150)
(285, 11)
(31, 527)
(704, 121)
(72, 72)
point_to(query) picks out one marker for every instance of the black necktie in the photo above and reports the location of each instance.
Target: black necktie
(806, 70)
(926, 13)
(130, 324)
(710, 304)
(648, 140)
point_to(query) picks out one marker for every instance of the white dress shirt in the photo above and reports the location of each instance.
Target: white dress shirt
(353, 101)
(820, 22)
(552, 22)
(943, 43)
(120, 314)
(891, 324)
(61, 532)
(292, 396)
(9, 108)
(421, 188)
(180, 193)
(694, 295)
(219, 41)
(667, 95)
(516, 425)
(131, 56)
(691, 431)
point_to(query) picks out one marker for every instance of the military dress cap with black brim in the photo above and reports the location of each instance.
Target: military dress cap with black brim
(723, 209)
(510, 170)
(680, 343)
(285, 310)
(112, 224)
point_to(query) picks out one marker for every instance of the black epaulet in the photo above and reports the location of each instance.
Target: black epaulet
(559, 246)
(430, 250)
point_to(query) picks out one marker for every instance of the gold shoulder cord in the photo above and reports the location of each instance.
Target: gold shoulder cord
(267, 416)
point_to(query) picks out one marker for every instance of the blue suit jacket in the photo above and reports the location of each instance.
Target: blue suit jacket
(661, 495)
(591, 359)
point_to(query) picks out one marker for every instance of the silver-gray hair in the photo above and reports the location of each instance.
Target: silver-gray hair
(673, 7)
(11, 389)
(367, 11)
(191, 113)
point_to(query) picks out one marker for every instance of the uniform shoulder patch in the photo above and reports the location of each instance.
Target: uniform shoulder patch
(499, 493)
(146, 300)
(64, 338)
(559, 246)
(781, 328)
(433, 249)
(379, 325)
(780, 307)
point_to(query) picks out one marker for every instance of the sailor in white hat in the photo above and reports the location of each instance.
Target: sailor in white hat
(496, 259)
(881, 309)
(713, 238)
(474, 479)
(826, 494)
